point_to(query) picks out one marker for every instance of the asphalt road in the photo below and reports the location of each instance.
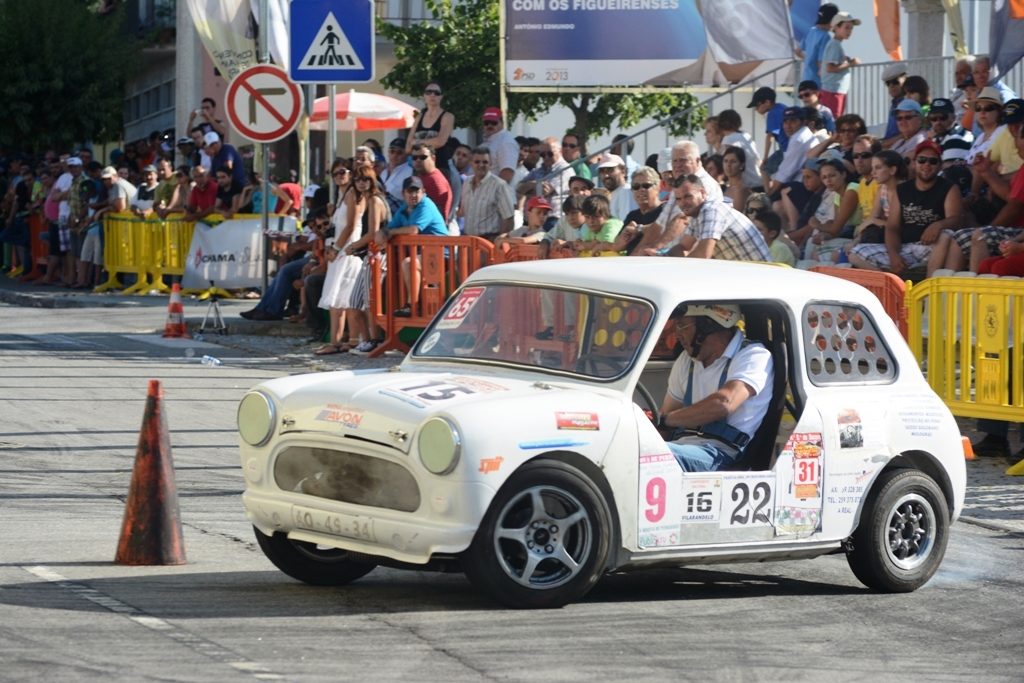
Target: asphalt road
(72, 390)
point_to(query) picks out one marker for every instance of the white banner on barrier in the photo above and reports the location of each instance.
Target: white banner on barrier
(229, 254)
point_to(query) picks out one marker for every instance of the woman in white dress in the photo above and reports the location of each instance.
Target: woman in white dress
(369, 212)
(340, 268)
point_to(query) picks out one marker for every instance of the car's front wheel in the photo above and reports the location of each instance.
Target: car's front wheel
(902, 534)
(310, 563)
(545, 539)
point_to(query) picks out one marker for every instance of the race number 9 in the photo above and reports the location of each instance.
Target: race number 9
(656, 499)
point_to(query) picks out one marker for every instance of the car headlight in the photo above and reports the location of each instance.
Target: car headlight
(256, 418)
(440, 445)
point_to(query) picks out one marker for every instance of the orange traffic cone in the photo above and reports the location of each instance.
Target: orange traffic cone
(176, 315)
(151, 530)
(968, 448)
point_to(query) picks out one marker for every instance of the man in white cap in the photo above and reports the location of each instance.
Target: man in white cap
(226, 157)
(719, 390)
(893, 76)
(612, 171)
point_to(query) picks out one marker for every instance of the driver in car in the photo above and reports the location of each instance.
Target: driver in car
(719, 389)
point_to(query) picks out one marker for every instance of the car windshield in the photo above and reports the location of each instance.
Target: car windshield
(584, 333)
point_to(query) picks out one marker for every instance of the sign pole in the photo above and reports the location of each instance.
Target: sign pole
(265, 149)
(332, 135)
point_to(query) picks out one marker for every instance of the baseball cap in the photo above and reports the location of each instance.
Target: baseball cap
(397, 143)
(764, 94)
(74, 161)
(928, 145)
(586, 181)
(807, 85)
(843, 17)
(185, 141)
(940, 105)
(149, 168)
(610, 161)
(955, 149)
(812, 114)
(1013, 111)
(211, 138)
(108, 172)
(492, 114)
(793, 113)
(908, 104)
(412, 182)
(893, 71)
(310, 191)
(990, 93)
(726, 315)
(825, 13)
(813, 164)
(538, 203)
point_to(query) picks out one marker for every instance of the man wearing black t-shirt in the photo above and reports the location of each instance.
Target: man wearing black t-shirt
(921, 210)
(229, 194)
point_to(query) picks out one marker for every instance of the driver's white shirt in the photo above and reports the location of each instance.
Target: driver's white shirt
(751, 365)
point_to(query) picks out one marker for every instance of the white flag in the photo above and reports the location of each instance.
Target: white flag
(747, 30)
(227, 31)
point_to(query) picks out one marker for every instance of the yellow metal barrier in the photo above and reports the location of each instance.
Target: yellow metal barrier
(148, 248)
(968, 333)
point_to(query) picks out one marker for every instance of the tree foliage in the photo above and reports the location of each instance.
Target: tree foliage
(65, 69)
(459, 50)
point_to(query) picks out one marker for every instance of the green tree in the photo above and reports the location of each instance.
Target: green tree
(65, 68)
(459, 49)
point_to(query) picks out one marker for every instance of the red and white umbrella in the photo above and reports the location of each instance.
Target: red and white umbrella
(362, 111)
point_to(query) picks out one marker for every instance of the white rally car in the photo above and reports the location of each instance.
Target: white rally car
(517, 441)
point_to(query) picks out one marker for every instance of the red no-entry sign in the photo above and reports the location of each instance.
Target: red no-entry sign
(263, 104)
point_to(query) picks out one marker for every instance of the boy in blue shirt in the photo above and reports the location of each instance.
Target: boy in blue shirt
(813, 44)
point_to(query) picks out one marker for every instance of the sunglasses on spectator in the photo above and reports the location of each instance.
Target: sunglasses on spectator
(755, 209)
(340, 172)
(363, 179)
(892, 81)
(431, 91)
(643, 186)
(570, 145)
(863, 155)
(490, 124)
(938, 117)
(420, 157)
(988, 109)
(934, 161)
(546, 155)
(908, 117)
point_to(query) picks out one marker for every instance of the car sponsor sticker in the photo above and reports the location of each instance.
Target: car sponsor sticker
(488, 465)
(430, 342)
(851, 431)
(702, 499)
(458, 311)
(582, 421)
(806, 451)
(343, 415)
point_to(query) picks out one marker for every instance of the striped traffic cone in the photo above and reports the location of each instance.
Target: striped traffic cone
(176, 315)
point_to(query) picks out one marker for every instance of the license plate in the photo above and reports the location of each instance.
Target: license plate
(335, 524)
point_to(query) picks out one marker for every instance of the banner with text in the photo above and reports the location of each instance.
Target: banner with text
(229, 254)
(554, 43)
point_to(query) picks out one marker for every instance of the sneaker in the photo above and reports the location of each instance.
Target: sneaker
(365, 347)
(404, 312)
(992, 447)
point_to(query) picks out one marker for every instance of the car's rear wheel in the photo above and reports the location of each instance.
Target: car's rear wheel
(310, 563)
(545, 539)
(902, 534)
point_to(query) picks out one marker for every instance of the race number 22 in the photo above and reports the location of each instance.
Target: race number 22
(750, 503)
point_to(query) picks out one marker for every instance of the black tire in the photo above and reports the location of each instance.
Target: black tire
(525, 554)
(902, 534)
(309, 563)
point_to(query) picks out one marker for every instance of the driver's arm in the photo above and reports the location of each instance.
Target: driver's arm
(716, 406)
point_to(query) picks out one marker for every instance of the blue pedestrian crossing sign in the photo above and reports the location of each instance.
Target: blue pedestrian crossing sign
(332, 41)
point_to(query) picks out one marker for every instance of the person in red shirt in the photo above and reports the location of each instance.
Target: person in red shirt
(435, 185)
(203, 197)
(1010, 260)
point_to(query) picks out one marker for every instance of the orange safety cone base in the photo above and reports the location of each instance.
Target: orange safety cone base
(151, 531)
(968, 448)
(175, 327)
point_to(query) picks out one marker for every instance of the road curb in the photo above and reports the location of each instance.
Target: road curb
(51, 300)
(991, 526)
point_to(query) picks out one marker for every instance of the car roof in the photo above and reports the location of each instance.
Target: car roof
(667, 280)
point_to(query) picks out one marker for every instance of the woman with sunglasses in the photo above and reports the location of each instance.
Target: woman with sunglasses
(341, 272)
(433, 126)
(848, 128)
(988, 109)
(368, 212)
(837, 216)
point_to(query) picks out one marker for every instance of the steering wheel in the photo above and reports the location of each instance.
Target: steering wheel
(648, 398)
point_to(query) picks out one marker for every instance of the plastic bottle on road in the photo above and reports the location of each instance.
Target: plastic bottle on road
(210, 361)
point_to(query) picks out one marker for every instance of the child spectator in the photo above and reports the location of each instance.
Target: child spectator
(601, 229)
(770, 225)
